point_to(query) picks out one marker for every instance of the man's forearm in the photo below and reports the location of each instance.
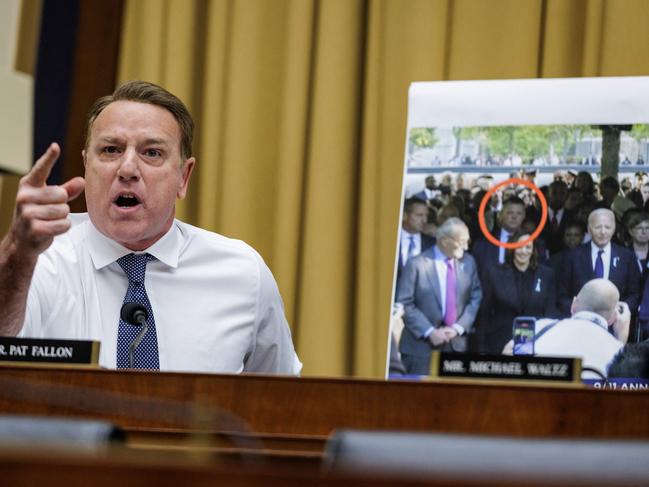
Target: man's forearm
(16, 271)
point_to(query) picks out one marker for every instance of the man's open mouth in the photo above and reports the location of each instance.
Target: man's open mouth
(126, 200)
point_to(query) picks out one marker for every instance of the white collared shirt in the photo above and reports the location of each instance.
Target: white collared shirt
(606, 257)
(405, 245)
(442, 270)
(215, 303)
(504, 237)
(431, 193)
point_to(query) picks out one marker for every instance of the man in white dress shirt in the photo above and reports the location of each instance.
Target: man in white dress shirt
(216, 305)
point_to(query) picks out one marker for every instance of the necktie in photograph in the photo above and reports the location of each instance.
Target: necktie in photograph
(146, 354)
(450, 314)
(599, 264)
(411, 248)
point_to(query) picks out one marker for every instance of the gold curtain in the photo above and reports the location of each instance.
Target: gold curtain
(301, 111)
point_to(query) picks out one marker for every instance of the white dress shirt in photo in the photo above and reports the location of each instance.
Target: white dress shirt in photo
(606, 257)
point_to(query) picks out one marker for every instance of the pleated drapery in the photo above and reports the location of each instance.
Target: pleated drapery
(301, 109)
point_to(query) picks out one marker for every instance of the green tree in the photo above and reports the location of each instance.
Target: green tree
(640, 131)
(423, 137)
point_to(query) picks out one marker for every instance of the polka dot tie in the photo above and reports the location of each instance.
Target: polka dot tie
(146, 353)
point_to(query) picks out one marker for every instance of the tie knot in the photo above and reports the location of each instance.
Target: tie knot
(449, 261)
(600, 252)
(134, 265)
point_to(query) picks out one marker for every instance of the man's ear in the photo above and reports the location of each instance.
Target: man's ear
(85, 157)
(186, 170)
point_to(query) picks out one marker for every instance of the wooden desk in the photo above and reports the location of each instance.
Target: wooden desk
(306, 410)
(199, 427)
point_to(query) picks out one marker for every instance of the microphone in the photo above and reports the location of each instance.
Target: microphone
(135, 314)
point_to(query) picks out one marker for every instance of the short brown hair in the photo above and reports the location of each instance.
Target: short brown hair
(144, 92)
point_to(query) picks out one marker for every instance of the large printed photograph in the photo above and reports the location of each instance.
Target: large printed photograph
(525, 225)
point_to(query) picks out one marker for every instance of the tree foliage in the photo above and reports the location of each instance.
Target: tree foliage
(527, 141)
(640, 131)
(423, 137)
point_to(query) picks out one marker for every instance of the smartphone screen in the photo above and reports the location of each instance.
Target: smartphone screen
(523, 333)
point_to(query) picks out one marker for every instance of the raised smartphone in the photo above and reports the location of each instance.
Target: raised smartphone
(523, 334)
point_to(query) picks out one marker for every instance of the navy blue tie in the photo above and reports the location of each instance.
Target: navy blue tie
(599, 265)
(146, 353)
(411, 248)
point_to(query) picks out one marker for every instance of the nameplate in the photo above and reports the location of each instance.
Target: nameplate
(505, 367)
(40, 350)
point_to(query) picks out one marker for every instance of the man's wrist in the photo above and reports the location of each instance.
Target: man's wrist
(16, 256)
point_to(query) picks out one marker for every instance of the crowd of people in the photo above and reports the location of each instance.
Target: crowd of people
(457, 291)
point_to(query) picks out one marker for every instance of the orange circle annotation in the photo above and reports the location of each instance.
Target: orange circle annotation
(539, 228)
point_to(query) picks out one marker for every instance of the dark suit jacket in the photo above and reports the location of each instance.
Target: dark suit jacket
(426, 243)
(421, 195)
(578, 270)
(504, 297)
(486, 254)
(418, 290)
(556, 262)
(553, 237)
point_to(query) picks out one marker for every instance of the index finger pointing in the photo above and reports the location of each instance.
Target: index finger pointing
(41, 170)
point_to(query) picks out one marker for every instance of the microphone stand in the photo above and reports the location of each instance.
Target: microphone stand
(136, 342)
(135, 314)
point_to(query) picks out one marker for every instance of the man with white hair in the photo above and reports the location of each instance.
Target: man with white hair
(440, 292)
(600, 258)
(585, 334)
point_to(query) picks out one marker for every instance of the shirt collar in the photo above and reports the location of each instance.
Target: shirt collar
(438, 254)
(590, 316)
(594, 248)
(105, 251)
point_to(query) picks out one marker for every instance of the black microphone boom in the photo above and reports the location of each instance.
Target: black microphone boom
(135, 314)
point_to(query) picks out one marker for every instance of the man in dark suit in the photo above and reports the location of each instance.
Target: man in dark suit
(411, 241)
(510, 220)
(440, 292)
(600, 258)
(430, 191)
(558, 216)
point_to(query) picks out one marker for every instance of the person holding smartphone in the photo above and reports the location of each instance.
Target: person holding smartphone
(595, 309)
(518, 287)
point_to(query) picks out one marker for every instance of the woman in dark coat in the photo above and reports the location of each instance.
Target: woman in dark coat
(637, 227)
(519, 287)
